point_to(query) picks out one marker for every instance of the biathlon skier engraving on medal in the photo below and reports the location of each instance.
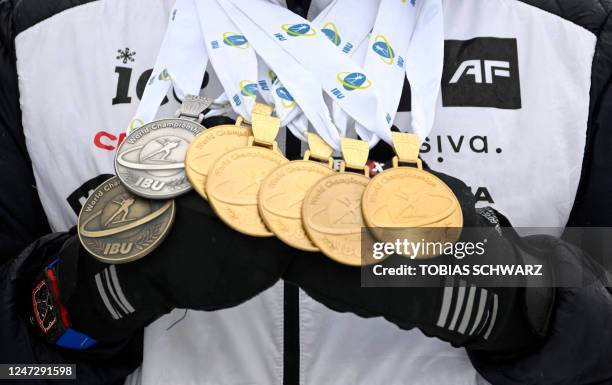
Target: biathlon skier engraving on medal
(234, 179)
(283, 191)
(209, 145)
(150, 161)
(331, 211)
(116, 226)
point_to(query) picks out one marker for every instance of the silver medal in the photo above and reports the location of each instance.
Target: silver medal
(150, 161)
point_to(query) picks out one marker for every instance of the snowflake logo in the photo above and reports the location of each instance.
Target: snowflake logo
(125, 55)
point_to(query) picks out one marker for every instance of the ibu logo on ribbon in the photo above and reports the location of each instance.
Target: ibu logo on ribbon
(301, 29)
(272, 76)
(162, 76)
(286, 99)
(248, 88)
(235, 40)
(352, 81)
(331, 31)
(383, 49)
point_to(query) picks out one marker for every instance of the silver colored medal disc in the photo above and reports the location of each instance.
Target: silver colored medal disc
(151, 160)
(115, 226)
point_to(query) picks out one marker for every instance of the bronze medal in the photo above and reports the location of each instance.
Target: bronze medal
(410, 203)
(331, 212)
(233, 182)
(282, 192)
(207, 147)
(116, 226)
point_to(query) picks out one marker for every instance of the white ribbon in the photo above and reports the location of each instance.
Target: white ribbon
(385, 61)
(364, 78)
(425, 61)
(340, 77)
(181, 62)
(231, 55)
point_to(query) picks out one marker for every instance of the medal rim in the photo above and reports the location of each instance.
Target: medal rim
(368, 220)
(189, 172)
(151, 196)
(260, 205)
(139, 255)
(309, 231)
(216, 210)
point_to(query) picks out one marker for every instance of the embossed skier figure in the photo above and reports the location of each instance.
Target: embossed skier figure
(124, 210)
(520, 140)
(167, 147)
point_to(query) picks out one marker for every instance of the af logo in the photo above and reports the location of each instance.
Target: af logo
(475, 68)
(285, 97)
(235, 40)
(481, 72)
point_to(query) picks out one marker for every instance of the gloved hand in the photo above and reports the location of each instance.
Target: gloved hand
(578, 335)
(481, 318)
(202, 265)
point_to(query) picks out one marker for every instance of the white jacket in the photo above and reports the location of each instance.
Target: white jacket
(76, 102)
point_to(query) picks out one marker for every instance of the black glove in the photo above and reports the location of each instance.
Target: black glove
(578, 345)
(202, 265)
(496, 320)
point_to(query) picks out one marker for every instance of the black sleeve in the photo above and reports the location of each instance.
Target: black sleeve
(99, 365)
(25, 239)
(593, 203)
(22, 218)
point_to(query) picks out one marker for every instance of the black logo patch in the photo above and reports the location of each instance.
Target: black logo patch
(481, 72)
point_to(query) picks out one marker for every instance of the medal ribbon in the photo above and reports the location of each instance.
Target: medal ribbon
(385, 61)
(342, 79)
(416, 48)
(425, 61)
(231, 55)
(235, 61)
(337, 22)
(303, 84)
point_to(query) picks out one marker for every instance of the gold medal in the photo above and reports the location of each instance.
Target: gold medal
(234, 179)
(331, 212)
(208, 146)
(410, 203)
(282, 192)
